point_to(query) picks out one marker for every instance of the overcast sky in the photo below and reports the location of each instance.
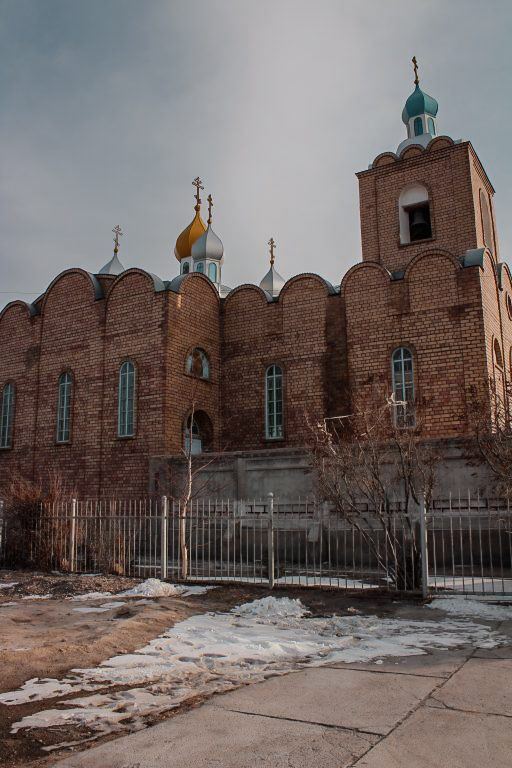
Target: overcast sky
(110, 108)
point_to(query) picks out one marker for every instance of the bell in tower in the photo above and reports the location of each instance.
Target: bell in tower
(419, 223)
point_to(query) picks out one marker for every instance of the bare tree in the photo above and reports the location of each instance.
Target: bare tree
(491, 426)
(195, 484)
(372, 466)
(33, 532)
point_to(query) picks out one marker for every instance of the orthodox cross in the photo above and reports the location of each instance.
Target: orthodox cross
(198, 184)
(118, 233)
(415, 66)
(210, 206)
(272, 244)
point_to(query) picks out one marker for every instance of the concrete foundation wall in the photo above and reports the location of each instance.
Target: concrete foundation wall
(288, 474)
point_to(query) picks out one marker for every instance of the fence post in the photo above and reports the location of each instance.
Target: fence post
(270, 540)
(163, 537)
(72, 537)
(423, 548)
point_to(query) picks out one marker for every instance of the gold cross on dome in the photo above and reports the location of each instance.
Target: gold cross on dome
(198, 184)
(272, 244)
(210, 206)
(415, 66)
(118, 233)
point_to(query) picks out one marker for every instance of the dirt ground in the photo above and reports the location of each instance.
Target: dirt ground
(46, 638)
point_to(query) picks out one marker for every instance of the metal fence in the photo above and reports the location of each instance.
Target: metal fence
(463, 545)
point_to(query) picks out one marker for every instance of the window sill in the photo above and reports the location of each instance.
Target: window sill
(125, 437)
(6, 448)
(416, 242)
(274, 439)
(62, 443)
(197, 378)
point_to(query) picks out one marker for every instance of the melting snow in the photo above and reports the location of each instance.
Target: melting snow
(157, 588)
(273, 608)
(215, 652)
(36, 597)
(101, 608)
(461, 606)
(8, 584)
(91, 596)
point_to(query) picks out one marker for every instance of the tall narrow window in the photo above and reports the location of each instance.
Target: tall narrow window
(126, 400)
(431, 127)
(7, 416)
(418, 126)
(64, 408)
(402, 371)
(212, 272)
(274, 403)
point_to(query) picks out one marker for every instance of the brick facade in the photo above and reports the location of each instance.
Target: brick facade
(448, 299)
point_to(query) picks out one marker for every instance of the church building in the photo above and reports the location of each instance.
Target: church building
(99, 376)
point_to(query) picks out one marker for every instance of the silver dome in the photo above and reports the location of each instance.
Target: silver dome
(272, 283)
(208, 246)
(113, 267)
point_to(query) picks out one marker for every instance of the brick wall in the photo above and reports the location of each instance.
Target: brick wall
(332, 346)
(448, 171)
(302, 332)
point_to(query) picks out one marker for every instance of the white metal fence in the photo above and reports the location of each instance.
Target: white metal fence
(463, 545)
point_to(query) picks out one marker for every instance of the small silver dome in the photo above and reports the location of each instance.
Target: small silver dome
(272, 283)
(208, 246)
(113, 267)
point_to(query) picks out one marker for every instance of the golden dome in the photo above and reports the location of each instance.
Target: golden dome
(186, 240)
(195, 229)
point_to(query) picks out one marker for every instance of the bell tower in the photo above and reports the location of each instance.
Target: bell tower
(432, 193)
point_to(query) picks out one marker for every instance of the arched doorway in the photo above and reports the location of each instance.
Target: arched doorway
(197, 433)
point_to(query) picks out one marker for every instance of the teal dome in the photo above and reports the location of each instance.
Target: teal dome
(419, 103)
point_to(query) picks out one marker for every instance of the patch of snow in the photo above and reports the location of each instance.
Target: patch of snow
(6, 605)
(215, 652)
(8, 584)
(273, 608)
(157, 588)
(100, 608)
(36, 597)
(461, 606)
(91, 596)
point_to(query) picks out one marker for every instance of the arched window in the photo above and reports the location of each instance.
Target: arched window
(186, 268)
(197, 434)
(414, 214)
(64, 408)
(212, 272)
(274, 402)
(200, 267)
(126, 400)
(7, 416)
(498, 357)
(402, 372)
(418, 126)
(198, 364)
(431, 126)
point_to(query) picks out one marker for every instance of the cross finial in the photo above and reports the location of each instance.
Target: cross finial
(198, 184)
(272, 244)
(210, 206)
(415, 67)
(117, 234)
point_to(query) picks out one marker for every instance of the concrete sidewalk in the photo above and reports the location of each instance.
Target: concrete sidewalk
(443, 710)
